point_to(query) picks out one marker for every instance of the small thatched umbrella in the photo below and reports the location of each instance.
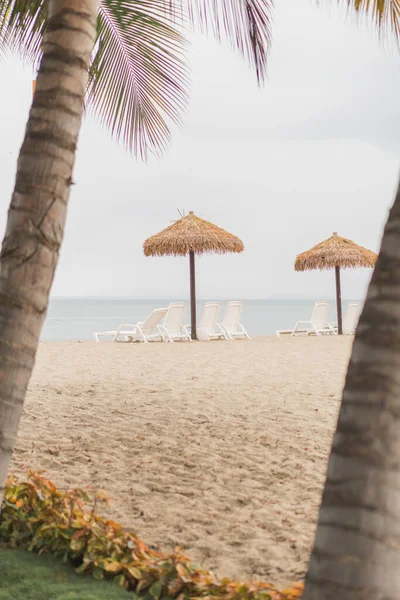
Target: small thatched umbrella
(192, 235)
(335, 253)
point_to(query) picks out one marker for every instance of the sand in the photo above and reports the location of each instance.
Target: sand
(218, 447)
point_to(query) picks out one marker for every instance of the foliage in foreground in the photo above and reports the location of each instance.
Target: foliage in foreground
(24, 575)
(39, 517)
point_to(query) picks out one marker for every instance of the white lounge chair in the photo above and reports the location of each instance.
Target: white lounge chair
(231, 322)
(208, 328)
(143, 331)
(173, 328)
(317, 325)
(350, 319)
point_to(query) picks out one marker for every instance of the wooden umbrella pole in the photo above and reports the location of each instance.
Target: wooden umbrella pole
(338, 300)
(193, 295)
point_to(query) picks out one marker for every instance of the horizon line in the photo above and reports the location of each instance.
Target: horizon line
(165, 297)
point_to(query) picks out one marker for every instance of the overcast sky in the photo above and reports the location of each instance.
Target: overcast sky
(315, 151)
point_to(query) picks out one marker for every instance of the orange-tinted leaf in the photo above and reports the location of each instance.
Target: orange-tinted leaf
(114, 525)
(78, 534)
(182, 572)
(294, 592)
(50, 520)
(112, 566)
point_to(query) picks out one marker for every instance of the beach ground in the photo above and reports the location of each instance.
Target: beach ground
(220, 448)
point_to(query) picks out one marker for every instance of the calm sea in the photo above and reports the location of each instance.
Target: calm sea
(78, 318)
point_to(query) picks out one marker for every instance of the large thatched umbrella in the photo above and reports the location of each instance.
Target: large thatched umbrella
(192, 235)
(335, 253)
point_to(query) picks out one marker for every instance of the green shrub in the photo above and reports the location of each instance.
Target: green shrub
(38, 517)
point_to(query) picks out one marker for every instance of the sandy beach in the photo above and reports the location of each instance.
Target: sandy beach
(218, 447)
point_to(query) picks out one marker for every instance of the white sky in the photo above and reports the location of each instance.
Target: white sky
(315, 151)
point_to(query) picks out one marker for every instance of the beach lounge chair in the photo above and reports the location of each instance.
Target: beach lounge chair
(143, 331)
(350, 319)
(208, 328)
(317, 325)
(173, 328)
(231, 322)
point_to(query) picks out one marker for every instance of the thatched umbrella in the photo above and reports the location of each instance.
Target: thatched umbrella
(335, 253)
(192, 235)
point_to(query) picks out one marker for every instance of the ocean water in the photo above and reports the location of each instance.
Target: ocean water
(78, 318)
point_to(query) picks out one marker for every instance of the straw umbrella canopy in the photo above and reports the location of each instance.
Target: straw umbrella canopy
(191, 235)
(335, 253)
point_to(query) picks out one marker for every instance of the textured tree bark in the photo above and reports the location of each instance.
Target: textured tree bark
(357, 546)
(37, 213)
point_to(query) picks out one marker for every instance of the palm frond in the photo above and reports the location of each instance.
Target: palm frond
(3, 46)
(138, 80)
(139, 77)
(244, 24)
(384, 14)
(22, 25)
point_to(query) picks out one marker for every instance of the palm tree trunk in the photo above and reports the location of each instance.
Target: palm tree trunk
(37, 213)
(357, 546)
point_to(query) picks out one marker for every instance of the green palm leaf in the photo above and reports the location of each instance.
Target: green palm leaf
(244, 24)
(22, 25)
(139, 80)
(139, 76)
